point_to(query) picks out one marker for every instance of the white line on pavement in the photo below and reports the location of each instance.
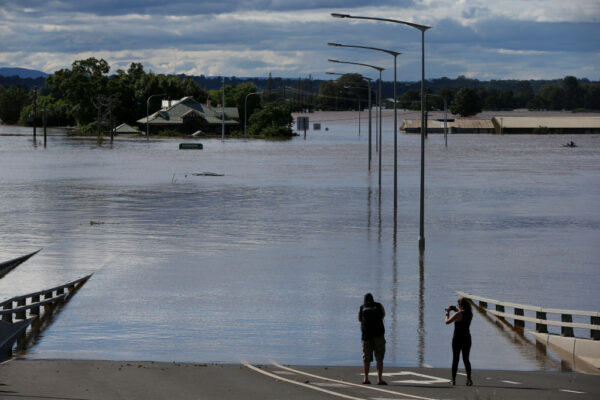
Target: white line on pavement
(252, 367)
(352, 384)
(571, 391)
(512, 383)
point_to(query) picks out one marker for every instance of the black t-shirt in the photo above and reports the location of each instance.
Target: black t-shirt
(371, 320)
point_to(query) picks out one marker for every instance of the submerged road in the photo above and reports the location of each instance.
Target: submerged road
(71, 380)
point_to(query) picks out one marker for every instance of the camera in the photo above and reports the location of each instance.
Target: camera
(451, 308)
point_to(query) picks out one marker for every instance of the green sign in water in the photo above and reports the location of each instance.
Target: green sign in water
(190, 146)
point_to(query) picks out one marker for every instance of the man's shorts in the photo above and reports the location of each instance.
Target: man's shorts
(375, 345)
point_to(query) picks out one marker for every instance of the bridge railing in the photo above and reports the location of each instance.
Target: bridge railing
(16, 308)
(541, 321)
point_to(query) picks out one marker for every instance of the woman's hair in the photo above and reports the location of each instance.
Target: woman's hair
(368, 298)
(466, 305)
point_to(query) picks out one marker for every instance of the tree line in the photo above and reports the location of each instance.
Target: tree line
(69, 94)
(70, 97)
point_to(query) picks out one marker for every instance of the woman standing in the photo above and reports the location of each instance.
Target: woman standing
(461, 341)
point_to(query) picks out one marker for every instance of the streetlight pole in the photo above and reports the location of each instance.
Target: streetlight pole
(395, 54)
(223, 113)
(148, 112)
(369, 105)
(380, 70)
(246, 111)
(422, 28)
(358, 99)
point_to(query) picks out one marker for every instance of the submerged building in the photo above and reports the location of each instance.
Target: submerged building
(566, 125)
(508, 125)
(188, 116)
(457, 125)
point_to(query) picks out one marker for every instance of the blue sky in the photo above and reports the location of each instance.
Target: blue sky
(502, 39)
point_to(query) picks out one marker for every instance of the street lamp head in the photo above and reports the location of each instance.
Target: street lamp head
(336, 15)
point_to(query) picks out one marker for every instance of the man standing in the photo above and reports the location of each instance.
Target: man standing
(370, 316)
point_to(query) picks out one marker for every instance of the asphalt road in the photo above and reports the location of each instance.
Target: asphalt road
(79, 380)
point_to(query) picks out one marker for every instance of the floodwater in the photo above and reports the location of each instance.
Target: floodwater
(272, 259)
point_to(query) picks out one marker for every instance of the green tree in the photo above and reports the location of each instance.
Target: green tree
(274, 120)
(410, 100)
(573, 93)
(237, 98)
(592, 96)
(12, 101)
(552, 97)
(523, 94)
(80, 86)
(57, 112)
(466, 102)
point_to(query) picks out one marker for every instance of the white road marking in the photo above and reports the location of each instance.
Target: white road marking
(428, 379)
(512, 383)
(370, 387)
(252, 367)
(283, 373)
(461, 373)
(329, 384)
(388, 398)
(571, 391)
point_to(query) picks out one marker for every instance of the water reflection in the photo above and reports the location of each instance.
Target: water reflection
(421, 330)
(283, 231)
(531, 349)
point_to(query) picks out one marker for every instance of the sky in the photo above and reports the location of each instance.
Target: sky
(483, 39)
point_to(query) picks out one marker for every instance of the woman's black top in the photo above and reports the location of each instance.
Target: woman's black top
(461, 328)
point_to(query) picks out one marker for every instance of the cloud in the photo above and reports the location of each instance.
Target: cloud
(288, 38)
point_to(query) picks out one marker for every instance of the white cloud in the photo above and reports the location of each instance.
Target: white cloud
(521, 52)
(467, 35)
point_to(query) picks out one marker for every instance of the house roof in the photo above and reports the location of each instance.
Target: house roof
(189, 107)
(547, 122)
(458, 123)
(125, 128)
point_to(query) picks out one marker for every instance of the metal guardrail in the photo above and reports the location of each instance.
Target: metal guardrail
(541, 320)
(21, 312)
(33, 301)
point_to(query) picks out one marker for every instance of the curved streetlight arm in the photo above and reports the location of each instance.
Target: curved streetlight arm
(246, 111)
(422, 28)
(355, 63)
(394, 53)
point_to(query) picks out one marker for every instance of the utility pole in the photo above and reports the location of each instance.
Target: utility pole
(223, 113)
(34, 112)
(45, 124)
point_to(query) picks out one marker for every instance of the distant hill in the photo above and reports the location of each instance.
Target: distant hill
(22, 73)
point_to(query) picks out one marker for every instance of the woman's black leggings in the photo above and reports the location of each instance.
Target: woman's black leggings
(461, 344)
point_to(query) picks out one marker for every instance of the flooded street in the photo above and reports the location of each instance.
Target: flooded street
(272, 259)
